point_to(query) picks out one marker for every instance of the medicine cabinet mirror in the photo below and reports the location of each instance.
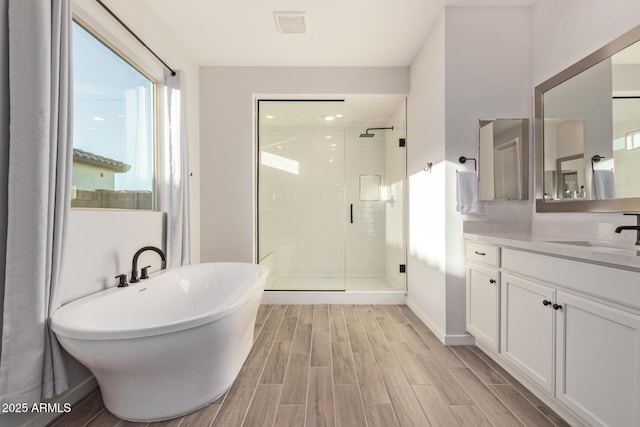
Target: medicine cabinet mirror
(587, 132)
(503, 159)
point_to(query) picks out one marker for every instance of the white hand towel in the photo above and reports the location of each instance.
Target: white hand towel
(604, 184)
(467, 192)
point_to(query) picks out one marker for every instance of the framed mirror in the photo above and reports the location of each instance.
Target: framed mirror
(587, 132)
(503, 159)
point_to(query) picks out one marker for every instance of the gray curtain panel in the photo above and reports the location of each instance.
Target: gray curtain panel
(173, 190)
(4, 143)
(40, 158)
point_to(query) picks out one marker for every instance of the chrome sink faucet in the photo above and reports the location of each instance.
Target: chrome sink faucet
(134, 263)
(631, 227)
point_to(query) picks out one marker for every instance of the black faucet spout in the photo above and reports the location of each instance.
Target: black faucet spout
(134, 263)
(631, 227)
(627, 227)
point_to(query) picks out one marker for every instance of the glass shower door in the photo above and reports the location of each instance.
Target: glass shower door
(301, 196)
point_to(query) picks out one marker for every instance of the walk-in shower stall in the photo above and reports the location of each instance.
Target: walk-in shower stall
(331, 193)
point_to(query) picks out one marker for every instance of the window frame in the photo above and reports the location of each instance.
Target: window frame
(155, 116)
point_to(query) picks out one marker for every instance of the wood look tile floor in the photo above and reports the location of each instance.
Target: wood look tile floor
(353, 365)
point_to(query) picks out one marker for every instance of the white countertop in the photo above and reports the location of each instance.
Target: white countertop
(625, 256)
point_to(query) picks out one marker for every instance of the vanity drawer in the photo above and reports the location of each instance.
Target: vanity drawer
(484, 254)
(607, 283)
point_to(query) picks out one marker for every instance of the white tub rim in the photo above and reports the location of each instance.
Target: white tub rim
(66, 328)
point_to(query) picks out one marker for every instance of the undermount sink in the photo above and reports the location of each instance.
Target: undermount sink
(590, 244)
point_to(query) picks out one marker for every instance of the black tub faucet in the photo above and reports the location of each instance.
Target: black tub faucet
(631, 227)
(134, 263)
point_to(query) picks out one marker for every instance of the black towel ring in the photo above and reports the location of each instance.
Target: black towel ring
(596, 158)
(463, 160)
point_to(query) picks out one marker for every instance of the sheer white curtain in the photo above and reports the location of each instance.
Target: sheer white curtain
(174, 171)
(138, 136)
(40, 158)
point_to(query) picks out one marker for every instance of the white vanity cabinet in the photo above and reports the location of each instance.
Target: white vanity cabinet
(483, 293)
(572, 328)
(598, 361)
(528, 328)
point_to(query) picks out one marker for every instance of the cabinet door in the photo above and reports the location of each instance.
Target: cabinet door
(527, 328)
(598, 361)
(483, 308)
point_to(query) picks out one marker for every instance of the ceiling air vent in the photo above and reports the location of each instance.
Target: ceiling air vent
(290, 22)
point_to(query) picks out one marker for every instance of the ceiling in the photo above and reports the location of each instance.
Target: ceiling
(340, 33)
(356, 33)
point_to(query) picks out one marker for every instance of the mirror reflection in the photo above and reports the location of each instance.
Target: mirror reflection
(592, 132)
(503, 147)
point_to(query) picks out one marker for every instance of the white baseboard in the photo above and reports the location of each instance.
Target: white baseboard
(464, 339)
(427, 321)
(458, 339)
(347, 297)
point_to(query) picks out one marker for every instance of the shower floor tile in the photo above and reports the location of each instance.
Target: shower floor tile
(354, 365)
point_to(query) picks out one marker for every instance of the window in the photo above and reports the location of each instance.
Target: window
(633, 140)
(113, 128)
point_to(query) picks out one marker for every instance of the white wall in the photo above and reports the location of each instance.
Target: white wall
(227, 131)
(488, 75)
(565, 32)
(426, 275)
(100, 245)
(482, 57)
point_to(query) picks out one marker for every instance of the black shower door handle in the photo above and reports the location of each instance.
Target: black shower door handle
(351, 212)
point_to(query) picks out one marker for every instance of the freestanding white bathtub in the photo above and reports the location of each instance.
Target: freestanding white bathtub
(168, 345)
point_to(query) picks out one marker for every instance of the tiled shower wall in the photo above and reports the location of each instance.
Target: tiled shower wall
(304, 218)
(365, 237)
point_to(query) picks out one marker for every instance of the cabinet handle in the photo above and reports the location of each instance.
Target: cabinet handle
(546, 302)
(557, 307)
(492, 281)
(480, 253)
